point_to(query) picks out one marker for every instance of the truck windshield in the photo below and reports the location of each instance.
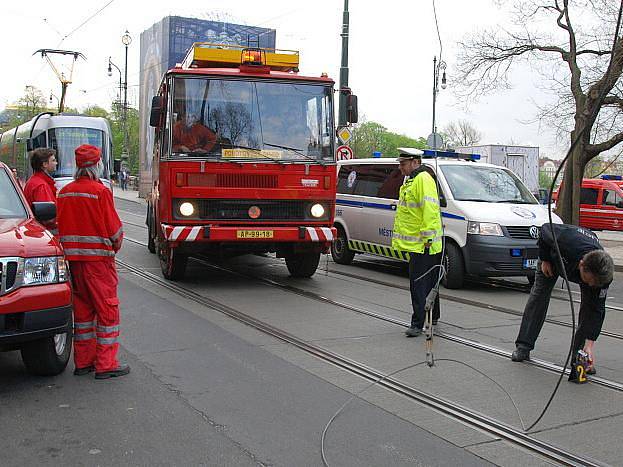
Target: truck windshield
(486, 184)
(66, 140)
(11, 206)
(238, 120)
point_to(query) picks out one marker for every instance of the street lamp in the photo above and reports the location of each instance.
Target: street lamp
(439, 68)
(126, 40)
(58, 102)
(110, 65)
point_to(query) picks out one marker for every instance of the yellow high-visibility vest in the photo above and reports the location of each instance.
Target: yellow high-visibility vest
(418, 217)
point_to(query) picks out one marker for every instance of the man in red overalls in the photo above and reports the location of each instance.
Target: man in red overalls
(190, 135)
(91, 233)
(40, 187)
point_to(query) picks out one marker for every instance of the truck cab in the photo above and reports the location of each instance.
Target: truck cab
(35, 293)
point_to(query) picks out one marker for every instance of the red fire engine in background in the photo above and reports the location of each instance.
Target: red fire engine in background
(244, 159)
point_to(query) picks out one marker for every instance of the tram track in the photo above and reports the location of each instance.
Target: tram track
(451, 409)
(539, 363)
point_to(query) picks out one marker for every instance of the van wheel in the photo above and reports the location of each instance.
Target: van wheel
(47, 356)
(302, 264)
(172, 263)
(455, 269)
(340, 252)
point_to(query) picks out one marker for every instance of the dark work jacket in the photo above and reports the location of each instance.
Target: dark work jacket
(574, 242)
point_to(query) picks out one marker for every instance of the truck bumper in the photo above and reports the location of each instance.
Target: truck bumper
(490, 256)
(17, 328)
(234, 234)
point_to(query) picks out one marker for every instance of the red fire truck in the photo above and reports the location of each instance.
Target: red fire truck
(244, 159)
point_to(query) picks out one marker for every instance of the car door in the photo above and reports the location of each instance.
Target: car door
(589, 208)
(611, 205)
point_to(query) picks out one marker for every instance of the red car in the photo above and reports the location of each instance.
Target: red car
(35, 292)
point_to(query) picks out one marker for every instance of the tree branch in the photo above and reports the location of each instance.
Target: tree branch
(593, 150)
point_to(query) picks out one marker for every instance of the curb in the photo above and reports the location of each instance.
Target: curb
(130, 200)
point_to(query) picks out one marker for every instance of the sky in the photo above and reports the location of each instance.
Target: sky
(391, 52)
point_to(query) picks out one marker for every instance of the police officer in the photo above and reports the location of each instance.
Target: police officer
(91, 233)
(586, 264)
(417, 230)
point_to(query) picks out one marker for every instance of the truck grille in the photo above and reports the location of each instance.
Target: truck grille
(530, 232)
(9, 268)
(282, 210)
(232, 180)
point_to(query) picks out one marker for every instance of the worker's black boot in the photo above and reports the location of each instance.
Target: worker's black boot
(520, 354)
(121, 370)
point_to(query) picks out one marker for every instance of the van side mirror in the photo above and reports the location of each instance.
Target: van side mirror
(620, 205)
(352, 110)
(44, 211)
(157, 105)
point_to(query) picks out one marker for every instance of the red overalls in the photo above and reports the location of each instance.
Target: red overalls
(91, 232)
(40, 187)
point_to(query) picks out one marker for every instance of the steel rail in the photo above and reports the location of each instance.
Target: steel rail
(456, 411)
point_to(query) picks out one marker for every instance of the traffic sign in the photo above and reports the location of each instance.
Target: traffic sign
(344, 134)
(344, 153)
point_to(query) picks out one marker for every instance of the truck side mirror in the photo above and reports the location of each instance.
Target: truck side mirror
(352, 111)
(44, 211)
(157, 105)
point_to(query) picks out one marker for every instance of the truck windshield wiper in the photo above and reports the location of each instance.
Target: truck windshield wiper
(296, 151)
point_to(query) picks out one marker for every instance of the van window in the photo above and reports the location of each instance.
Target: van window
(346, 181)
(611, 198)
(588, 195)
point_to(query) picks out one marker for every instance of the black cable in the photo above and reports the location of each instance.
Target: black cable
(563, 271)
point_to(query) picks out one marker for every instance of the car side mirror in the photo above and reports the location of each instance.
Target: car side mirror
(44, 210)
(157, 105)
(352, 110)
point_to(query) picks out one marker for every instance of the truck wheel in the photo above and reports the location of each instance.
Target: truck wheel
(173, 264)
(47, 356)
(455, 269)
(302, 264)
(339, 248)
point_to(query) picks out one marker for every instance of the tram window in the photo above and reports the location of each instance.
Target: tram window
(588, 195)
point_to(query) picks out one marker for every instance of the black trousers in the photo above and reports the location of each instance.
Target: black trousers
(590, 318)
(422, 279)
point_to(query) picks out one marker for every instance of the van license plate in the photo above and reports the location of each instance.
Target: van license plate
(254, 234)
(529, 263)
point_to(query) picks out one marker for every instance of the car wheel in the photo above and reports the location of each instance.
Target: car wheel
(48, 356)
(302, 264)
(455, 269)
(340, 252)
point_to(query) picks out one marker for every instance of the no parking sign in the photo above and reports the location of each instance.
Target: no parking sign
(344, 153)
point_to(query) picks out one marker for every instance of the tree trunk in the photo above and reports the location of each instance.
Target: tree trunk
(568, 204)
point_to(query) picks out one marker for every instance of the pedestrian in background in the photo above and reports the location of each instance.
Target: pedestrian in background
(586, 264)
(123, 179)
(91, 233)
(40, 186)
(417, 230)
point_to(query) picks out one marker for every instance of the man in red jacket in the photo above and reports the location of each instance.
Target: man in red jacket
(91, 233)
(40, 187)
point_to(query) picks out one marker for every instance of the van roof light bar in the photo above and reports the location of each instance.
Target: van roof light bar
(612, 177)
(428, 153)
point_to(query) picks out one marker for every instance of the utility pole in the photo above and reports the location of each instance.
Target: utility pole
(344, 68)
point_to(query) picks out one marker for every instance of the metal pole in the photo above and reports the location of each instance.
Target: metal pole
(434, 101)
(344, 67)
(125, 106)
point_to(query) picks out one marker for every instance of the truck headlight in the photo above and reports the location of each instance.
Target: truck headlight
(484, 228)
(317, 210)
(187, 209)
(45, 270)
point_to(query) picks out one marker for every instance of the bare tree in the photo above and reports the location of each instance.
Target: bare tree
(461, 133)
(572, 48)
(32, 102)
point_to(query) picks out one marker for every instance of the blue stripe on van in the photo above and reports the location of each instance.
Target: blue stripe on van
(345, 202)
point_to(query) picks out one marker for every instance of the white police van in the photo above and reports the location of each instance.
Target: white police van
(491, 220)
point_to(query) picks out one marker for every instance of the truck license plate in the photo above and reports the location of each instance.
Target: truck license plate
(254, 234)
(529, 263)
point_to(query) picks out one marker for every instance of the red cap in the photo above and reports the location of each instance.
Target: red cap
(87, 155)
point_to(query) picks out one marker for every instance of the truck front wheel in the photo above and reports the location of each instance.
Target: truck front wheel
(302, 264)
(47, 356)
(172, 263)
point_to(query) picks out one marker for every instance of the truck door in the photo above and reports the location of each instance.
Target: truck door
(612, 208)
(589, 208)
